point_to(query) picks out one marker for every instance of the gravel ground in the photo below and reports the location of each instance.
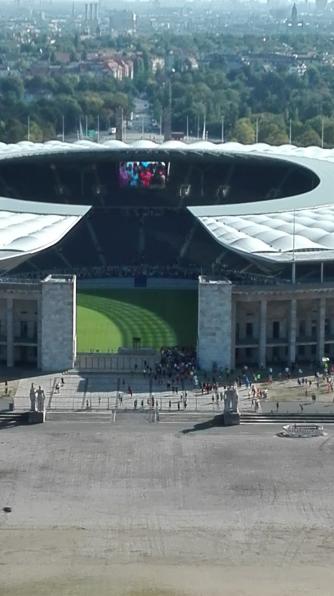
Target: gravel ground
(147, 510)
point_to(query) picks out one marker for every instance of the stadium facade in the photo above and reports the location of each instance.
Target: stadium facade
(258, 221)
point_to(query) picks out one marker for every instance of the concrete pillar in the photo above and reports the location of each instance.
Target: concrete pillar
(39, 332)
(233, 336)
(321, 328)
(58, 323)
(214, 324)
(263, 333)
(292, 331)
(293, 273)
(10, 331)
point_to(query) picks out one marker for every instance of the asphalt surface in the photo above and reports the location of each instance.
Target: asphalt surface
(139, 508)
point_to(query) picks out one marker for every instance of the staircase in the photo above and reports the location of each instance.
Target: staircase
(13, 418)
(256, 418)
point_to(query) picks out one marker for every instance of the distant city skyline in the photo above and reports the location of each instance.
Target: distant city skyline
(163, 2)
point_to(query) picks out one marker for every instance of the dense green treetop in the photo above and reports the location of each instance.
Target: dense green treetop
(243, 84)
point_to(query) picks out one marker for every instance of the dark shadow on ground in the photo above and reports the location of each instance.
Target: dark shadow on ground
(212, 423)
(10, 419)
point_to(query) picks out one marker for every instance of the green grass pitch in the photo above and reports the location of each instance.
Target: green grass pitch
(109, 319)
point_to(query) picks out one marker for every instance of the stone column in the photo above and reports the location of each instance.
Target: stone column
(321, 328)
(10, 331)
(58, 323)
(234, 330)
(214, 324)
(263, 333)
(293, 331)
(39, 332)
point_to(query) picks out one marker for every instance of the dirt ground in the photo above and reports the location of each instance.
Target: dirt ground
(142, 509)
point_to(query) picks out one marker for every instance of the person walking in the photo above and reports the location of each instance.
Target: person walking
(277, 406)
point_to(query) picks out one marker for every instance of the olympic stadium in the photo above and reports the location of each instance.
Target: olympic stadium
(254, 222)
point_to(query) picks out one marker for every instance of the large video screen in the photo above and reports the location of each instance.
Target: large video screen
(142, 174)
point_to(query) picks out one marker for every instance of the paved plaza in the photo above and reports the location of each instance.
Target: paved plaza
(103, 392)
(146, 509)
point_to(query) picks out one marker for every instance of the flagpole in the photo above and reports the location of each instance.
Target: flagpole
(294, 248)
(204, 128)
(322, 132)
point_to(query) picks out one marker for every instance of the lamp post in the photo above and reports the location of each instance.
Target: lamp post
(294, 248)
(322, 132)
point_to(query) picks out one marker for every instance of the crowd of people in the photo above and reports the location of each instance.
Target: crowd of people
(143, 174)
(179, 361)
(136, 270)
(120, 271)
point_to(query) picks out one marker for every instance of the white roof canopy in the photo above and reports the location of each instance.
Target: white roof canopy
(28, 227)
(298, 235)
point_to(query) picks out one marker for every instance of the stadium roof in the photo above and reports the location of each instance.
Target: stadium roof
(279, 236)
(298, 227)
(28, 227)
(261, 150)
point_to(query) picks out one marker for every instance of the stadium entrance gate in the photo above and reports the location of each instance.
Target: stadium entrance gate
(125, 361)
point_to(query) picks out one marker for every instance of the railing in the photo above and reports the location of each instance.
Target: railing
(100, 403)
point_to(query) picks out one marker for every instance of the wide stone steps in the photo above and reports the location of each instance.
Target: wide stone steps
(13, 418)
(253, 418)
(184, 417)
(77, 416)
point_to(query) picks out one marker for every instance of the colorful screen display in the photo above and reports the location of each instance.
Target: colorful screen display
(142, 174)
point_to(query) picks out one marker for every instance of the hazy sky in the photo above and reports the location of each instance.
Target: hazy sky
(105, 3)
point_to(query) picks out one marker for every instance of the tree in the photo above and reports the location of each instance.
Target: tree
(12, 87)
(70, 109)
(309, 137)
(329, 133)
(36, 133)
(14, 131)
(244, 131)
